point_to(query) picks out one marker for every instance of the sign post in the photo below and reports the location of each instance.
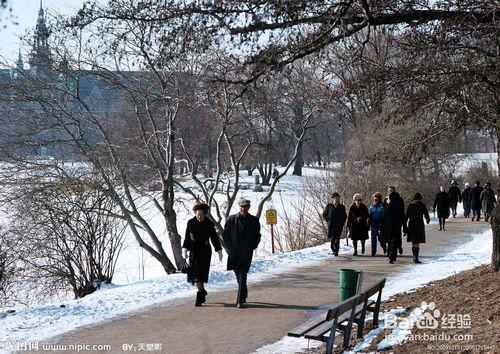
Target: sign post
(272, 219)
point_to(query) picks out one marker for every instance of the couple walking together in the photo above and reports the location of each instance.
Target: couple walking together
(241, 237)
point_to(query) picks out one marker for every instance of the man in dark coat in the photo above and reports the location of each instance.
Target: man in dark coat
(442, 205)
(335, 215)
(414, 221)
(392, 221)
(241, 236)
(400, 203)
(357, 223)
(475, 201)
(455, 196)
(466, 201)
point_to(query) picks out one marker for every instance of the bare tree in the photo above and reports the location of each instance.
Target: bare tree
(62, 230)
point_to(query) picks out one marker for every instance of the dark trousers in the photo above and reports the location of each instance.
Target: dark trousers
(454, 204)
(241, 278)
(476, 212)
(393, 247)
(335, 244)
(373, 235)
(466, 211)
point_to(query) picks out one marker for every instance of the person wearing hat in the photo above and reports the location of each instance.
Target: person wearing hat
(414, 224)
(442, 204)
(488, 201)
(335, 215)
(455, 197)
(357, 223)
(241, 237)
(199, 231)
(390, 227)
(475, 201)
(465, 200)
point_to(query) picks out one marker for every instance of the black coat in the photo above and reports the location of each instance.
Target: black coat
(241, 236)
(475, 197)
(336, 217)
(196, 241)
(442, 205)
(359, 229)
(454, 193)
(393, 219)
(414, 221)
(465, 197)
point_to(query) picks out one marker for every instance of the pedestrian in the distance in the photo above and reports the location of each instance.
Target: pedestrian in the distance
(357, 223)
(466, 200)
(414, 222)
(392, 221)
(241, 236)
(442, 205)
(336, 216)
(199, 231)
(455, 197)
(475, 201)
(375, 218)
(488, 201)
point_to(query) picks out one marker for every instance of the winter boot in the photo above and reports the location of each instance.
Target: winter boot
(199, 296)
(472, 218)
(203, 296)
(400, 249)
(416, 260)
(362, 247)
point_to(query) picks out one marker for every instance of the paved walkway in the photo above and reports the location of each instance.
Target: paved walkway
(275, 305)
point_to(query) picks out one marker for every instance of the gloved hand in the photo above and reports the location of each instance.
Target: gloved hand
(220, 255)
(185, 253)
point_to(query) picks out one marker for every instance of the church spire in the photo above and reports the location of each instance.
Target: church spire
(40, 56)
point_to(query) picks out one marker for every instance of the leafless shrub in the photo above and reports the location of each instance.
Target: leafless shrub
(64, 234)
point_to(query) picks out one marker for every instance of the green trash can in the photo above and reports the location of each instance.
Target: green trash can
(350, 280)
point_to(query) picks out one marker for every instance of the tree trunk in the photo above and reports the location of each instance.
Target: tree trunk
(297, 167)
(495, 220)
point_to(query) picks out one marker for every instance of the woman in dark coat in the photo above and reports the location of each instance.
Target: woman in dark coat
(488, 201)
(466, 201)
(455, 196)
(442, 204)
(393, 219)
(357, 223)
(199, 231)
(335, 215)
(415, 228)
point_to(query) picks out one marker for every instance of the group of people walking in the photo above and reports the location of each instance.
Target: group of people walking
(473, 199)
(385, 220)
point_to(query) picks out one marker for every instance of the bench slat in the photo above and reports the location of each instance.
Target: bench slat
(305, 327)
(318, 332)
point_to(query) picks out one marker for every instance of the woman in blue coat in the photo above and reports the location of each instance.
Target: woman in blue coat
(376, 211)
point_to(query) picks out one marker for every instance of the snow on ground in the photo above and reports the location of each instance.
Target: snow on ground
(51, 320)
(467, 256)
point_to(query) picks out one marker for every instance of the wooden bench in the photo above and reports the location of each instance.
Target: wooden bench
(342, 316)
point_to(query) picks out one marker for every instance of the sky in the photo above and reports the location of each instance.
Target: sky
(25, 13)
